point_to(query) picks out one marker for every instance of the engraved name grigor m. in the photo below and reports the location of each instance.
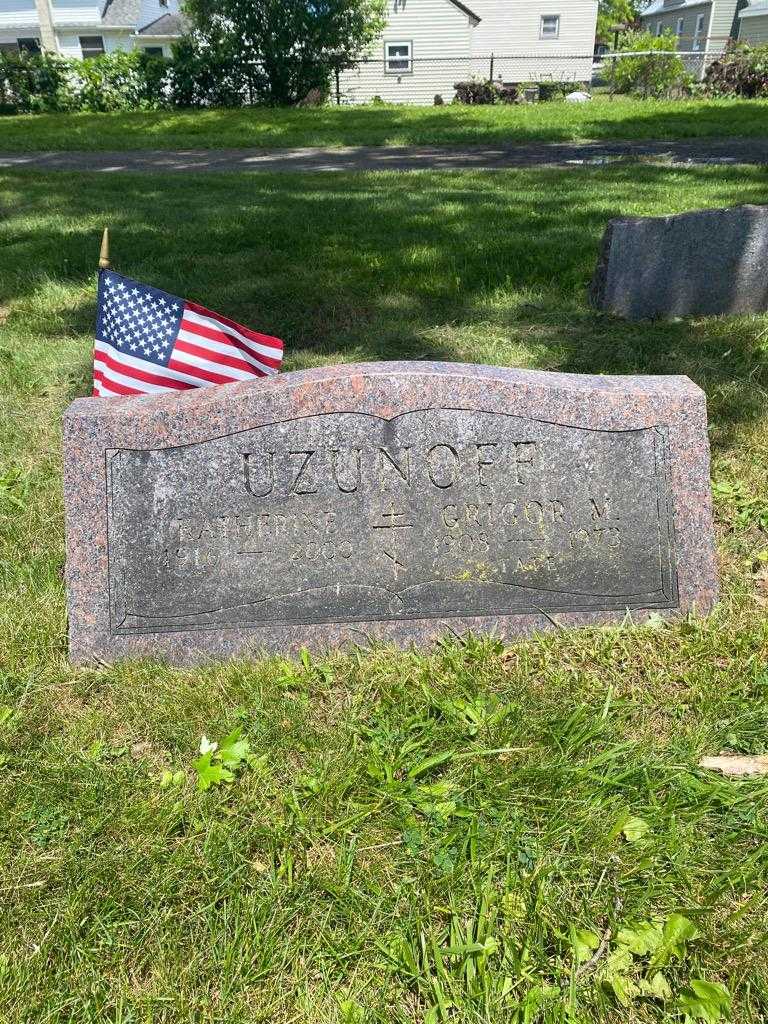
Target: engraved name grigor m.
(387, 499)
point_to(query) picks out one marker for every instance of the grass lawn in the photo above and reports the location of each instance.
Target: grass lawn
(621, 118)
(479, 833)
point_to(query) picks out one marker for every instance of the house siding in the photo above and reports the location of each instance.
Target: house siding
(724, 22)
(440, 35)
(69, 42)
(718, 28)
(510, 29)
(669, 20)
(16, 14)
(74, 12)
(449, 47)
(754, 30)
(718, 23)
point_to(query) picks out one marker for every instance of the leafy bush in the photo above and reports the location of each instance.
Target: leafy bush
(741, 71)
(649, 75)
(482, 91)
(201, 76)
(118, 81)
(475, 91)
(155, 72)
(554, 90)
(507, 93)
(46, 83)
(35, 83)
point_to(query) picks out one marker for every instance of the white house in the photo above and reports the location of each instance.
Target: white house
(429, 45)
(86, 28)
(536, 40)
(753, 23)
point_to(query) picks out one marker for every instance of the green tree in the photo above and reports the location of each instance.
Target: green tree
(650, 75)
(615, 12)
(277, 51)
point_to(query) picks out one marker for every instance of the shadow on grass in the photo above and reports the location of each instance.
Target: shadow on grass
(467, 267)
(624, 118)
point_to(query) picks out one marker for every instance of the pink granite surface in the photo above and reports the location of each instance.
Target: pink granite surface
(92, 426)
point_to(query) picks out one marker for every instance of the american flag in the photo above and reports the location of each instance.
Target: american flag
(149, 341)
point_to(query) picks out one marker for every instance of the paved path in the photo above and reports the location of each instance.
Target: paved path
(401, 158)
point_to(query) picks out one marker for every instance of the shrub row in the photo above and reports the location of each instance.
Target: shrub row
(195, 76)
(741, 71)
(42, 83)
(483, 91)
(45, 83)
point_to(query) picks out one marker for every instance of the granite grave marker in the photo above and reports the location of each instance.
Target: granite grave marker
(704, 263)
(395, 500)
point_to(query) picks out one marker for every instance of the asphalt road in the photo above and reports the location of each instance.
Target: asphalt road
(400, 158)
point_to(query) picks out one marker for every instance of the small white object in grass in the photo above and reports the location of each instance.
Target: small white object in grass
(577, 97)
(206, 747)
(736, 764)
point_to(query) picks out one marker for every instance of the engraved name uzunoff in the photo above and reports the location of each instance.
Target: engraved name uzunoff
(353, 517)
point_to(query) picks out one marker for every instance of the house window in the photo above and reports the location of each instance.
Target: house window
(680, 24)
(153, 51)
(659, 28)
(699, 32)
(550, 26)
(91, 46)
(398, 58)
(29, 45)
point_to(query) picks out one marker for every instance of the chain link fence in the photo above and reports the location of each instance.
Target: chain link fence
(402, 77)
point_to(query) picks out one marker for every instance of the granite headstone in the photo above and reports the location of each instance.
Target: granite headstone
(704, 263)
(396, 500)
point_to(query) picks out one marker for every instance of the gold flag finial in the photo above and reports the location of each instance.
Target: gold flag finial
(104, 254)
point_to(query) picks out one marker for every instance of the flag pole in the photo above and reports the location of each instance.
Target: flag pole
(104, 254)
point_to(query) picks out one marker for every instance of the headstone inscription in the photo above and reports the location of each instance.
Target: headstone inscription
(704, 263)
(395, 500)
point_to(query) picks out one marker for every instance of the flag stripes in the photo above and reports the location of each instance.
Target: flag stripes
(269, 350)
(196, 355)
(148, 341)
(131, 373)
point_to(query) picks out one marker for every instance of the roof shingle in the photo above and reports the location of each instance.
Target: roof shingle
(121, 12)
(166, 25)
(658, 7)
